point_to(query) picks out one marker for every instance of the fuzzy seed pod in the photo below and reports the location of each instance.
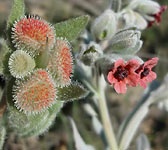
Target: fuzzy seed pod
(36, 93)
(33, 35)
(60, 63)
(20, 64)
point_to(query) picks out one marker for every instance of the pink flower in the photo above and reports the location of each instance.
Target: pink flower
(122, 74)
(145, 72)
(157, 16)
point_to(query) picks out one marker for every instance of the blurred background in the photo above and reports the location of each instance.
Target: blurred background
(59, 137)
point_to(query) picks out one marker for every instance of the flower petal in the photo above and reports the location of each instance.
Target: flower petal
(120, 87)
(143, 83)
(111, 78)
(133, 79)
(133, 63)
(151, 63)
(152, 76)
(118, 63)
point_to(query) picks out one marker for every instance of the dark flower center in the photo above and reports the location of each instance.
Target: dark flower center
(121, 73)
(145, 73)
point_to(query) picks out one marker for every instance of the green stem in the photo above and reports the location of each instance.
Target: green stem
(108, 128)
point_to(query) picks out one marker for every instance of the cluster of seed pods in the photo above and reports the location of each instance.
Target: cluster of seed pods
(35, 85)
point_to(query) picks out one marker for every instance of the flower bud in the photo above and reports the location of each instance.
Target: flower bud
(147, 7)
(105, 26)
(126, 42)
(140, 22)
(90, 53)
(130, 18)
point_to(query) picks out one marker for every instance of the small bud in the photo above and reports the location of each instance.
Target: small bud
(156, 17)
(60, 63)
(130, 18)
(30, 33)
(90, 53)
(20, 64)
(147, 7)
(140, 22)
(34, 94)
(105, 26)
(126, 42)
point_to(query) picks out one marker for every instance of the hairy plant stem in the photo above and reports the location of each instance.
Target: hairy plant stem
(107, 125)
(108, 128)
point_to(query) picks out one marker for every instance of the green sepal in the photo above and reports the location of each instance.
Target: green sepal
(18, 10)
(71, 28)
(71, 92)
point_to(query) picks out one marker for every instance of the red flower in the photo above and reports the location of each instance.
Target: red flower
(145, 72)
(157, 16)
(122, 74)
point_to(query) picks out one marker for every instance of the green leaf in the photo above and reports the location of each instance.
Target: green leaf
(2, 136)
(17, 11)
(4, 56)
(46, 123)
(71, 92)
(71, 28)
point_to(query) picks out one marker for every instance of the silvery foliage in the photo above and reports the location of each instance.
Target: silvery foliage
(142, 142)
(79, 142)
(96, 124)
